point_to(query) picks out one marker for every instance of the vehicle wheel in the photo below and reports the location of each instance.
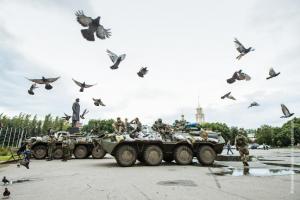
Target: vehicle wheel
(40, 151)
(206, 155)
(98, 152)
(168, 158)
(126, 156)
(58, 153)
(183, 155)
(153, 155)
(81, 152)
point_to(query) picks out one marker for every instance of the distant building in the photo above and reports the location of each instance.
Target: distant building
(199, 115)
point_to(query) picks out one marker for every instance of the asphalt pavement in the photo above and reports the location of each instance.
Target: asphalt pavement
(103, 179)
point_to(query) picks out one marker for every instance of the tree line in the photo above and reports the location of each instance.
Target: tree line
(274, 136)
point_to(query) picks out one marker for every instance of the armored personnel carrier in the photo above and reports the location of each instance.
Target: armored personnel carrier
(81, 146)
(151, 149)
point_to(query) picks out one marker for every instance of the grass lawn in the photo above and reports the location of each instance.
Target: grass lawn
(5, 158)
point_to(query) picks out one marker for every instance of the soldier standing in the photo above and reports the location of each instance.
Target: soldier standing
(119, 126)
(241, 144)
(51, 147)
(66, 148)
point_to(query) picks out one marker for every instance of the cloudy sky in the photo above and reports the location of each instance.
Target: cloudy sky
(187, 46)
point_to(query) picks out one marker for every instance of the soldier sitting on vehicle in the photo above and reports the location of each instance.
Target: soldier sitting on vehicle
(137, 128)
(119, 126)
(66, 148)
(163, 129)
(128, 127)
(241, 144)
(51, 147)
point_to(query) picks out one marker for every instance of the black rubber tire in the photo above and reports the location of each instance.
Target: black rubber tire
(153, 155)
(168, 158)
(98, 152)
(40, 151)
(126, 155)
(183, 155)
(81, 152)
(58, 153)
(206, 155)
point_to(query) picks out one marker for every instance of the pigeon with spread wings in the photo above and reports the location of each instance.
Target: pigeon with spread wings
(98, 102)
(93, 25)
(272, 73)
(66, 117)
(115, 59)
(286, 112)
(241, 49)
(82, 85)
(84, 113)
(143, 71)
(45, 81)
(229, 96)
(238, 75)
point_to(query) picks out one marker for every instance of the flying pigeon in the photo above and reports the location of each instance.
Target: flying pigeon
(32, 87)
(98, 102)
(45, 81)
(115, 59)
(143, 71)
(6, 193)
(272, 73)
(84, 113)
(238, 75)
(241, 49)
(82, 85)
(5, 181)
(253, 104)
(66, 117)
(286, 112)
(228, 95)
(93, 26)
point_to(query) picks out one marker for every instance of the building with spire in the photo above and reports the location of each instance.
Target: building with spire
(199, 115)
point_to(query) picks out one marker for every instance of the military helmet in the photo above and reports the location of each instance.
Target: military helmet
(159, 120)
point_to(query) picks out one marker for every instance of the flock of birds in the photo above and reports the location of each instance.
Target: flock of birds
(93, 28)
(240, 75)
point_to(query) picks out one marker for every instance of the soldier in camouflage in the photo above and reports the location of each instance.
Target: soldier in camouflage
(163, 129)
(51, 147)
(66, 148)
(119, 126)
(241, 144)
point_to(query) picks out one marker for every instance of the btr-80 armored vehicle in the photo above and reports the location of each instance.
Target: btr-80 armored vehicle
(151, 149)
(81, 146)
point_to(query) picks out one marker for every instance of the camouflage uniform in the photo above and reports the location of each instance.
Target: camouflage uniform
(66, 148)
(51, 147)
(137, 129)
(163, 129)
(242, 146)
(119, 126)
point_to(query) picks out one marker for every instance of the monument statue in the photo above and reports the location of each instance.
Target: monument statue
(76, 112)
